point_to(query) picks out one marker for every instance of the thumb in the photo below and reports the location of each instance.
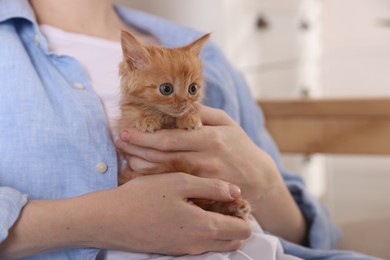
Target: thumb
(212, 189)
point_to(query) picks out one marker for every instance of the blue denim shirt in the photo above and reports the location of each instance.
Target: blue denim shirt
(54, 134)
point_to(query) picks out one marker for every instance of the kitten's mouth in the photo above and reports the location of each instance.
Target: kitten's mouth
(179, 113)
(176, 112)
(173, 111)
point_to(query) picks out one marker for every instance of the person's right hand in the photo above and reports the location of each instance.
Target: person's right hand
(152, 214)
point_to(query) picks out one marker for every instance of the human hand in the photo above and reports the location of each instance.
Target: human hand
(222, 150)
(154, 214)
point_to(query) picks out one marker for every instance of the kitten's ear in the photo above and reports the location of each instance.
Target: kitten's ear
(198, 44)
(136, 55)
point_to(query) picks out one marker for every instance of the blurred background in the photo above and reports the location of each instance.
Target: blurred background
(307, 49)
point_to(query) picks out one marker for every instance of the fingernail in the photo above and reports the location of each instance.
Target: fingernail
(124, 135)
(234, 190)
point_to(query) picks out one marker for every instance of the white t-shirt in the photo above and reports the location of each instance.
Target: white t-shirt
(100, 59)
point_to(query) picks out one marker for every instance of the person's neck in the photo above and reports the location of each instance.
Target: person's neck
(91, 17)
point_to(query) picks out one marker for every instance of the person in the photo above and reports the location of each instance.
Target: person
(58, 169)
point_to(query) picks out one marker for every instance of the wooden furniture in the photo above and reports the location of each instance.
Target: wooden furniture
(332, 126)
(337, 126)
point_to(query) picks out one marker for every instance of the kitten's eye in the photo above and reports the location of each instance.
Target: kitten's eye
(193, 89)
(166, 89)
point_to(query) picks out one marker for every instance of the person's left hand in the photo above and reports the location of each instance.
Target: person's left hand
(220, 149)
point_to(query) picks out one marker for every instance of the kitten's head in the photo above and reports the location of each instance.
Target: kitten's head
(165, 79)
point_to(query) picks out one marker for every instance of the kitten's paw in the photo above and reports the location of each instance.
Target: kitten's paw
(189, 122)
(125, 175)
(239, 208)
(148, 125)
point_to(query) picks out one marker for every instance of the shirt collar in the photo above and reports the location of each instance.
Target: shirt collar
(21, 9)
(16, 9)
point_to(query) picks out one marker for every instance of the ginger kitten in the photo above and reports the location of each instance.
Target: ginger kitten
(161, 88)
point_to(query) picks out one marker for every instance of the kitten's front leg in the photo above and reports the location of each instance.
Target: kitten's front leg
(148, 124)
(189, 122)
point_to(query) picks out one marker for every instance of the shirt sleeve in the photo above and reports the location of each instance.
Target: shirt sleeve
(322, 232)
(240, 104)
(11, 203)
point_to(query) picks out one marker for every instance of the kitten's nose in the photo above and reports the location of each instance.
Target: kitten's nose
(182, 105)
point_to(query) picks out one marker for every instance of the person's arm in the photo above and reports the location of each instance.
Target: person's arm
(148, 214)
(222, 150)
(321, 231)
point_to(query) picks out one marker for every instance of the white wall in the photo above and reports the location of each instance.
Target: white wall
(356, 63)
(356, 58)
(199, 14)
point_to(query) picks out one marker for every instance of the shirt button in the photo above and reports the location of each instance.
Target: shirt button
(78, 85)
(101, 167)
(37, 40)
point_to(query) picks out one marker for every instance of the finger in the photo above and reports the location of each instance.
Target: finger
(214, 116)
(138, 164)
(148, 154)
(174, 139)
(231, 228)
(179, 139)
(154, 157)
(213, 189)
